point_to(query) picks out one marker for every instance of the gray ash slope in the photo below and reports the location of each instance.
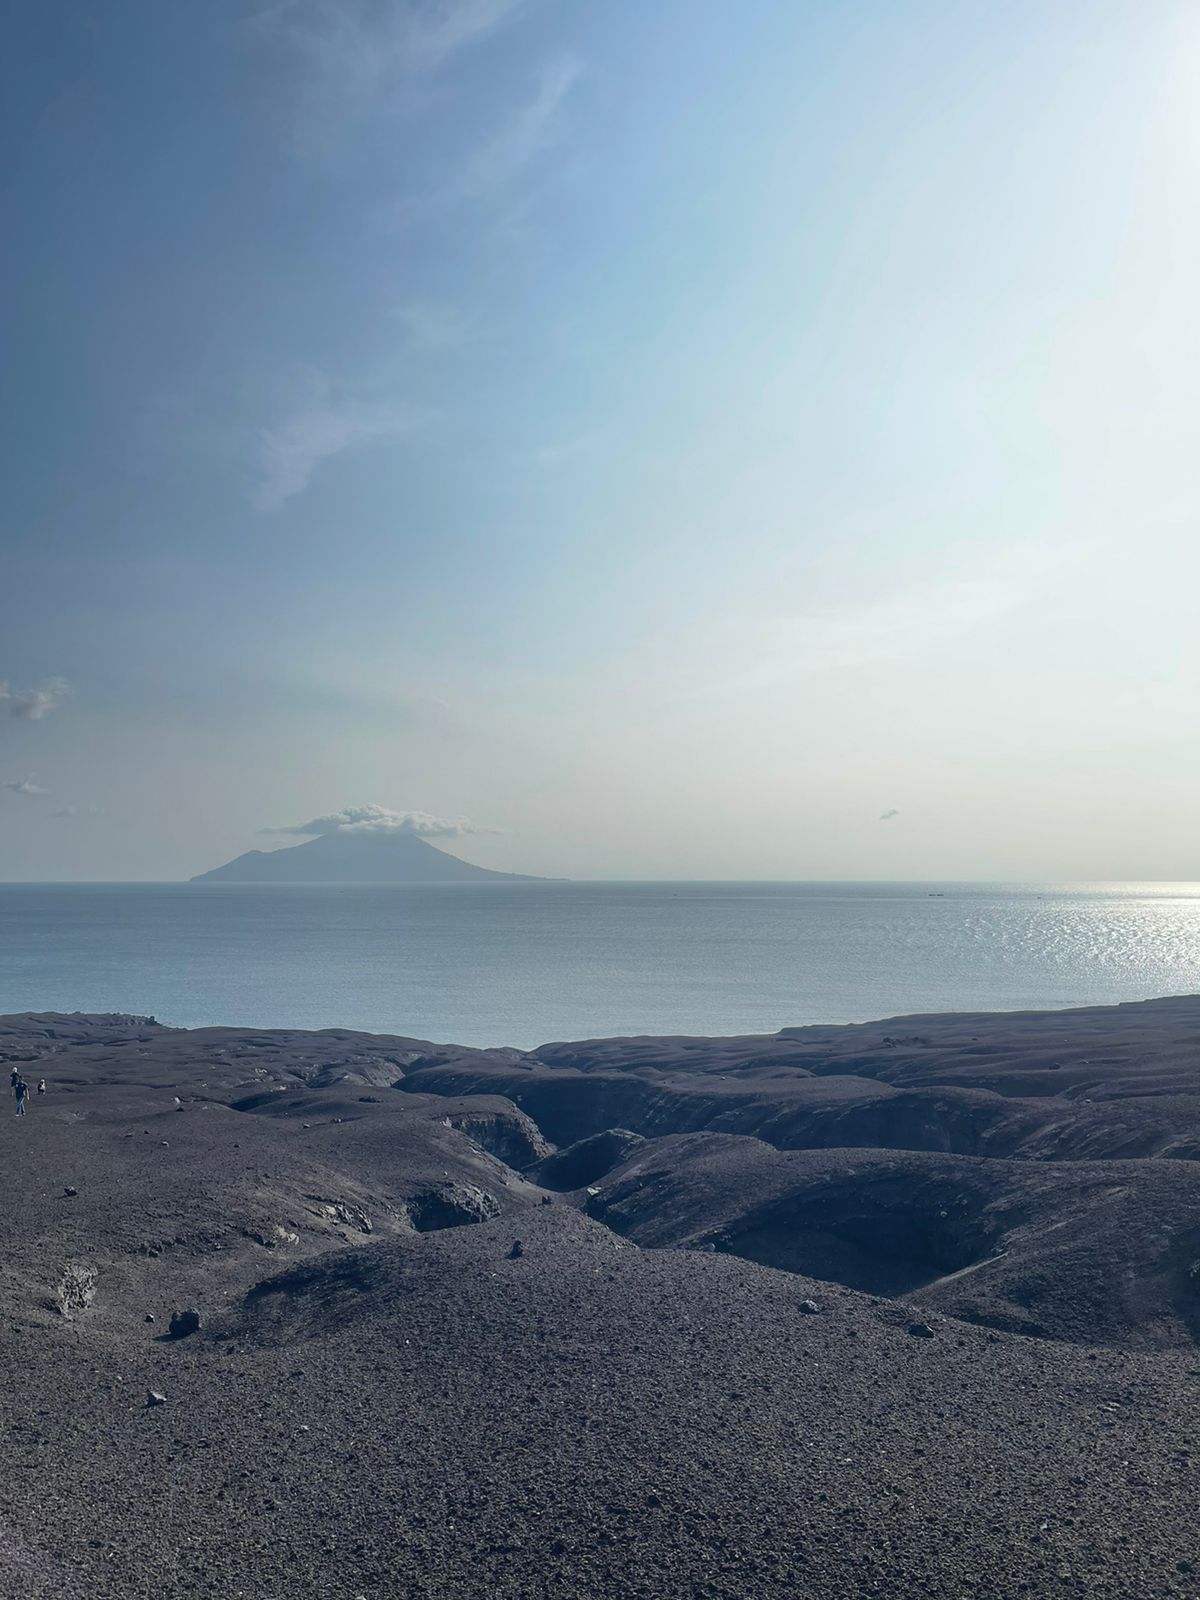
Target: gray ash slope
(386, 1398)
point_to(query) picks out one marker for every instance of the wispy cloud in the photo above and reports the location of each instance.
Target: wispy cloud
(380, 819)
(349, 57)
(751, 653)
(436, 326)
(32, 704)
(570, 448)
(24, 785)
(76, 811)
(886, 816)
(378, 702)
(529, 131)
(324, 425)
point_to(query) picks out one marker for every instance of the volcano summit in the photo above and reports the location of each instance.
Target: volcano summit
(350, 856)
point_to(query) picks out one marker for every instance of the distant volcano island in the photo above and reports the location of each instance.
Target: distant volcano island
(348, 856)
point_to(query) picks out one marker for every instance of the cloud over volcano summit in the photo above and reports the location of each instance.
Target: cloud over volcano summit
(381, 819)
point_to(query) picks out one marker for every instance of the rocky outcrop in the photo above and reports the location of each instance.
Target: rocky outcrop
(454, 1205)
(506, 1133)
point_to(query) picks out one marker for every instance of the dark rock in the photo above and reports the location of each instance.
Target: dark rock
(920, 1330)
(547, 1199)
(453, 1205)
(517, 1251)
(70, 1189)
(340, 1211)
(809, 1308)
(153, 1398)
(149, 1317)
(184, 1323)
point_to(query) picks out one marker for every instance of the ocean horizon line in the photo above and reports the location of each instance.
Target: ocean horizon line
(534, 884)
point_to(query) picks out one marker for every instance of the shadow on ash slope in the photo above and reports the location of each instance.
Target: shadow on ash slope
(1036, 1173)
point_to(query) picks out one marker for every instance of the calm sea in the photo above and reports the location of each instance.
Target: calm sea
(521, 964)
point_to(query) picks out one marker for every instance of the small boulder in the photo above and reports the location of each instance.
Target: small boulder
(517, 1251)
(920, 1330)
(184, 1323)
(809, 1308)
(547, 1199)
(153, 1398)
(70, 1189)
(149, 1317)
(277, 1237)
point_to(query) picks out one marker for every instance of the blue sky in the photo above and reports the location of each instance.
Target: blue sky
(671, 435)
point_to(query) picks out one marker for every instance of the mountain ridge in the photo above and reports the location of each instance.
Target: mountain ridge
(368, 857)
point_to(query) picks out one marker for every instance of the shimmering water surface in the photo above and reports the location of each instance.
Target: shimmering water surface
(524, 963)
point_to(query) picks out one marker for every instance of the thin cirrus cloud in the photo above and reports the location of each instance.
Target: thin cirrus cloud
(24, 785)
(744, 652)
(350, 57)
(31, 705)
(529, 131)
(887, 816)
(436, 326)
(381, 819)
(328, 425)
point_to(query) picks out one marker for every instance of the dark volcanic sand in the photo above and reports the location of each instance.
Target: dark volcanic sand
(385, 1401)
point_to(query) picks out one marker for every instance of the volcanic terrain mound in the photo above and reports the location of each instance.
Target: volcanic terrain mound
(902, 1308)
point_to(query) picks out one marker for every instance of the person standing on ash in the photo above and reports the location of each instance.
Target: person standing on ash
(20, 1091)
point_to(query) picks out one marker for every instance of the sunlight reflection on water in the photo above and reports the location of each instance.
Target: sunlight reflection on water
(523, 963)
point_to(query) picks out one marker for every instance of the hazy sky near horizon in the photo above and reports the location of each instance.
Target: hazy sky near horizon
(687, 439)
